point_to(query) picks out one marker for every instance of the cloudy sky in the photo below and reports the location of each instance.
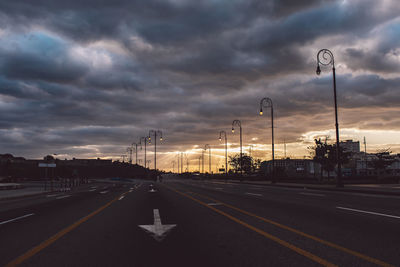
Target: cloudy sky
(86, 78)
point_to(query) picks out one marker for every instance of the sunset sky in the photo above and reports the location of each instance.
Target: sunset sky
(87, 78)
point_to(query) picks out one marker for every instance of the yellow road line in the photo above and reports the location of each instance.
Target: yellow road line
(330, 244)
(261, 232)
(30, 253)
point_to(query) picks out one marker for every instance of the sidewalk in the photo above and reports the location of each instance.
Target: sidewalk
(381, 189)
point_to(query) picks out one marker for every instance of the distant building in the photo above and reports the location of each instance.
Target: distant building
(350, 146)
(291, 167)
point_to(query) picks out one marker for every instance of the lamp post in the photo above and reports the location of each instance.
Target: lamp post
(155, 133)
(136, 145)
(202, 161)
(325, 58)
(207, 146)
(226, 150)
(144, 139)
(129, 150)
(199, 163)
(238, 123)
(173, 166)
(266, 102)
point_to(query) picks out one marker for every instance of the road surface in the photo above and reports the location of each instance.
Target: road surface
(199, 223)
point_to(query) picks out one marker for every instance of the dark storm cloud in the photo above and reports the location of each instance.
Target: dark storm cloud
(90, 76)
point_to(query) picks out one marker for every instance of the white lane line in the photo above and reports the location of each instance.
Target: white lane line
(18, 218)
(130, 191)
(54, 195)
(370, 212)
(104, 192)
(253, 194)
(121, 197)
(63, 197)
(91, 190)
(214, 204)
(312, 194)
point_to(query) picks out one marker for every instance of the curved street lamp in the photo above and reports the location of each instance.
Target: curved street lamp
(226, 150)
(325, 58)
(207, 146)
(238, 123)
(144, 140)
(266, 102)
(155, 133)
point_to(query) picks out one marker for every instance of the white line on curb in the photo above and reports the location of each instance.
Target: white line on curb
(121, 197)
(370, 212)
(18, 218)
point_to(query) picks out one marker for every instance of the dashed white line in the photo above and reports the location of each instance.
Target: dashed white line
(104, 192)
(121, 197)
(370, 212)
(61, 197)
(18, 218)
(54, 195)
(254, 194)
(214, 204)
(312, 194)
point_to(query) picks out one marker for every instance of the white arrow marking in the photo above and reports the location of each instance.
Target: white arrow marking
(158, 230)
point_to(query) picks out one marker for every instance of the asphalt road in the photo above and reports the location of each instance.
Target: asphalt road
(208, 223)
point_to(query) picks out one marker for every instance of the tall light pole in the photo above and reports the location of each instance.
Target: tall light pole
(173, 166)
(178, 162)
(199, 163)
(238, 123)
(266, 102)
(136, 145)
(129, 149)
(155, 133)
(226, 150)
(325, 58)
(181, 162)
(144, 140)
(207, 146)
(202, 160)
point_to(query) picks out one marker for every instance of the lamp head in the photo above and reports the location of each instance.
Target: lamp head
(233, 130)
(161, 138)
(261, 111)
(318, 71)
(220, 139)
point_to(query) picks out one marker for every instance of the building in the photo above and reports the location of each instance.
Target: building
(350, 146)
(291, 168)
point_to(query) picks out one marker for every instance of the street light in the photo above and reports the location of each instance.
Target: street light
(266, 102)
(226, 150)
(155, 133)
(136, 145)
(325, 58)
(207, 146)
(238, 123)
(129, 149)
(145, 140)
